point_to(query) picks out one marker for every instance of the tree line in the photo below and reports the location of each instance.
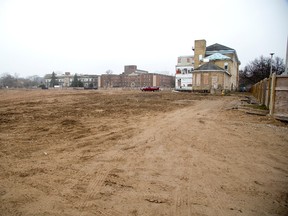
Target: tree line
(76, 82)
(259, 69)
(10, 81)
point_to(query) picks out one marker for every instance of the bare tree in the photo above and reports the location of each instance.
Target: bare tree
(109, 78)
(8, 80)
(259, 69)
(108, 72)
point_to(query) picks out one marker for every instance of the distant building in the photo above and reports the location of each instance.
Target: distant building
(65, 80)
(109, 81)
(216, 67)
(132, 77)
(132, 69)
(184, 69)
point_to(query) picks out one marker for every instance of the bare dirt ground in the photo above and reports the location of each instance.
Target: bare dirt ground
(132, 153)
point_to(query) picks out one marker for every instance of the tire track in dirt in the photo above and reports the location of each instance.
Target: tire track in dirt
(182, 203)
(181, 199)
(97, 183)
(106, 212)
(94, 186)
(160, 138)
(187, 201)
(206, 158)
(115, 156)
(90, 179)
(215, 202)
(133, 150)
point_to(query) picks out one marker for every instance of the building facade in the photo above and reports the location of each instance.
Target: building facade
(210, 77)
(216, 67)
(65, 80)
(135, 78)
(183, 76)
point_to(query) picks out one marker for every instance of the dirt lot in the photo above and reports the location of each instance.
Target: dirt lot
(138, 153)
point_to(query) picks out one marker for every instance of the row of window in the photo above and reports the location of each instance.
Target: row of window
(71, 80)
(184, 71)
(185, 60)
(82, 80)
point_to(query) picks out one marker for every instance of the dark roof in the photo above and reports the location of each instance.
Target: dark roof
(209, 66)
(216, 47)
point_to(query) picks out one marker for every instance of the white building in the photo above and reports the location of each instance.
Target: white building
(184, 69)
(65, 80)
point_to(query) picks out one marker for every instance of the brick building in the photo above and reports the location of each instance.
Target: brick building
(132, 77)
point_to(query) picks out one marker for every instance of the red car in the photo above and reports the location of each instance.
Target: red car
(150, 88)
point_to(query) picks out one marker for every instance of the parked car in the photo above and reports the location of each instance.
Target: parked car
(150, 88)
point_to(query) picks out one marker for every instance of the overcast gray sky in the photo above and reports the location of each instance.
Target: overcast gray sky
(90, 36)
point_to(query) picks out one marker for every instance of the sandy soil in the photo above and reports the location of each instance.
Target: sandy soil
(138, 153)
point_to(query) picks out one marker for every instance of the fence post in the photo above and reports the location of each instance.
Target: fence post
(260, 91)
(272, 94)
(257, 90)
(267, 99)
(263, 89)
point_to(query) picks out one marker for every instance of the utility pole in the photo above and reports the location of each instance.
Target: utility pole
(286, 62)
(271, 64)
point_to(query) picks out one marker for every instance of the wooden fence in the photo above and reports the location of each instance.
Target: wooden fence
(273, 93)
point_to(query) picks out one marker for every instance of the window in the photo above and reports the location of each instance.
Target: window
(206, 79)
(198, 79)
(188, 60)
(215, 82)
(179, 60)
(225, 66)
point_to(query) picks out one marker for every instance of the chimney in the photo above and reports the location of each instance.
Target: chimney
(199, 52)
